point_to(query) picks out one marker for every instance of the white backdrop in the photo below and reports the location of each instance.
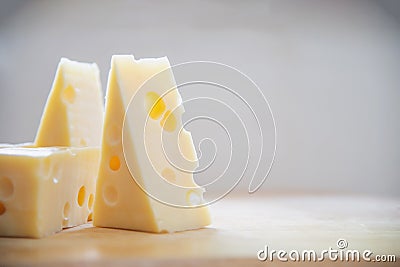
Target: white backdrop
(330, 70)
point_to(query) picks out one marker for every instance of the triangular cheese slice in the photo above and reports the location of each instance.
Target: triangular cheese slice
(73, 115)
(145, 180)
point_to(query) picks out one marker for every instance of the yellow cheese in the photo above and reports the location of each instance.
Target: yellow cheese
(43, 190)
(73, 115)
(158, 197)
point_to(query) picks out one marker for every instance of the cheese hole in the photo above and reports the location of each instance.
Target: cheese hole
(90, 217)
(115, 163)
(168, 175)
(69, 94)
(66, 212)
(90, 201)
(6, 188)
(155, 105)
(2, 208)
(168, 122)
(110, 195)
(81, 195)
(193, 198)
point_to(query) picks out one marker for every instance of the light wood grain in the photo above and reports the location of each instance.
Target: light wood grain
(241, 226)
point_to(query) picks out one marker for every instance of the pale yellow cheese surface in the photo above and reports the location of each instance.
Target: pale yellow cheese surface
(43, 190)
(73, 115)
(137, 187)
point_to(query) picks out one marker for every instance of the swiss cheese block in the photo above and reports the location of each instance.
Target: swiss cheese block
(73, 115)
(145, 180)
(43, 190)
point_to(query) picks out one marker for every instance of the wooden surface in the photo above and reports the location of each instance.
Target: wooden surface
(241, 227)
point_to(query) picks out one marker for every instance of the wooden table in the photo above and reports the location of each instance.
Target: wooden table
(242, 225)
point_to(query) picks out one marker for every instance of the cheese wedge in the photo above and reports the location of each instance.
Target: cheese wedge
(73, 115)
(43, 190)
(145, 180)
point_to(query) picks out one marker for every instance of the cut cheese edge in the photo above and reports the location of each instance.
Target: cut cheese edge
(74, 111)
(145, 180)
(43, 190)
(7, 145)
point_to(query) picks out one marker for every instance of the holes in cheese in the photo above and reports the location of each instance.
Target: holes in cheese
(149, 191)
(90, 201)
(169, 175)
(69, 94)
(73, 115)
(48, 182)
(66, 211)
(110, 195)
(155, 105)
(168, 122)
(6, 191)
(6, 188)
(193, 198)
(90, 217)
(115, 163)
(81, 196)
(2, 208)
(46, 189)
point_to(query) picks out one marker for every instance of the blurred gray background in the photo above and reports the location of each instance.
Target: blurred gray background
(330, 70)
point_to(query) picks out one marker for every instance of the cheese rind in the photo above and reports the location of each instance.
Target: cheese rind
(73, 115)
(43, 190)
(138, 116)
